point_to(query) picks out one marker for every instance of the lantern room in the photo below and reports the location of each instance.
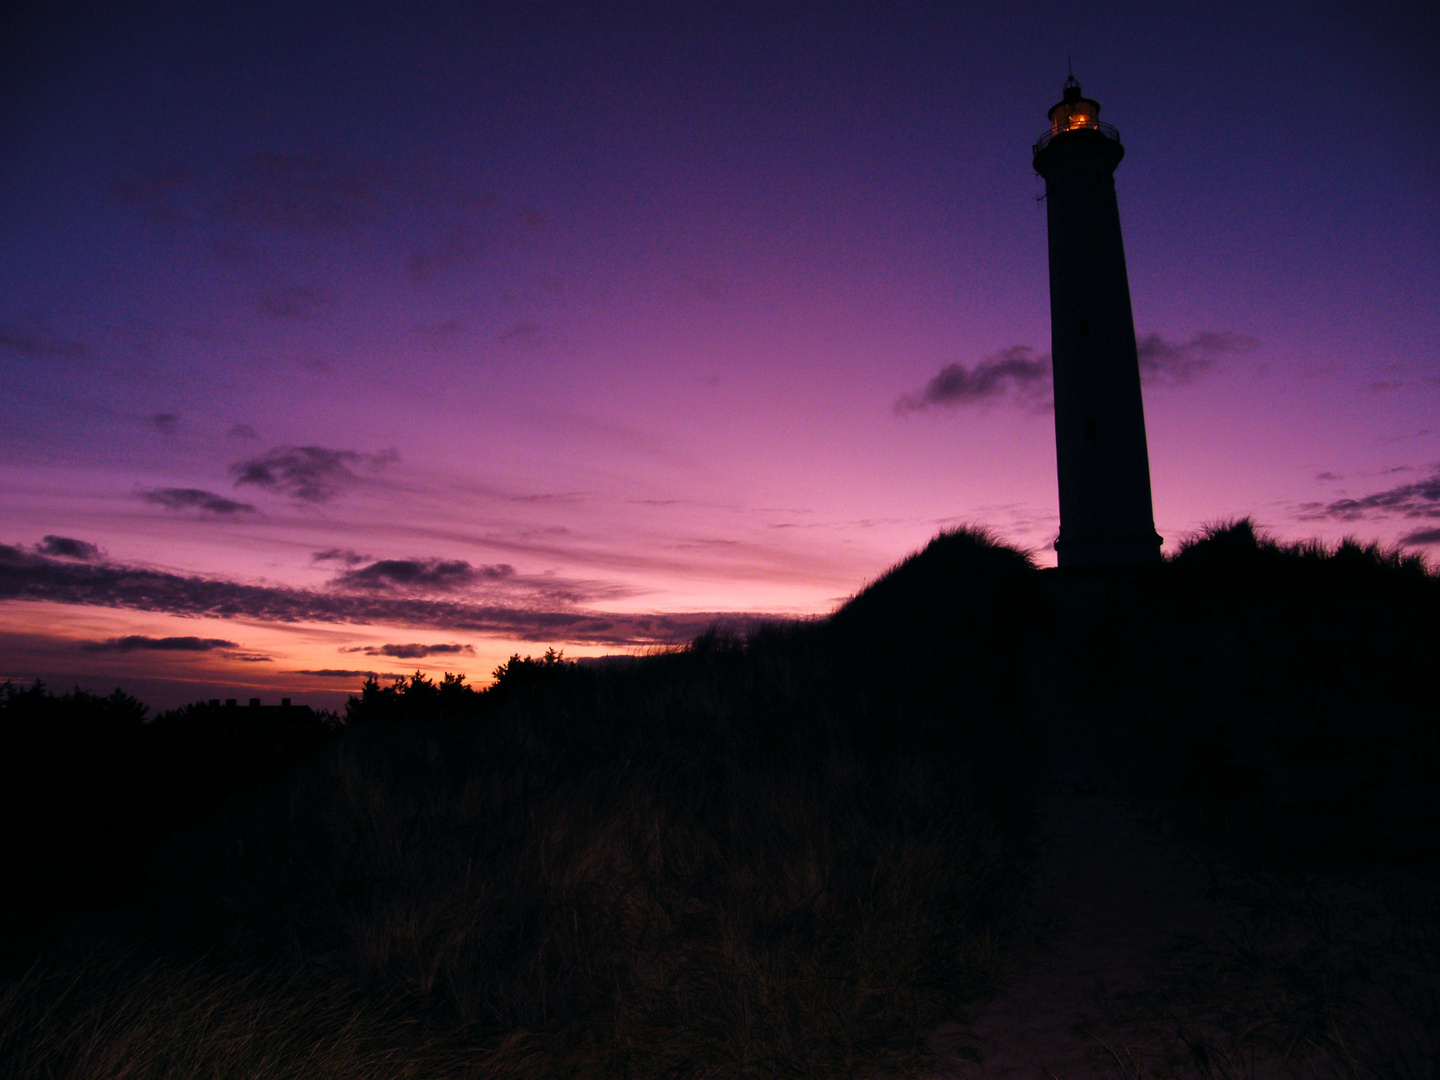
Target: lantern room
(1074, 111)
(1075, 114)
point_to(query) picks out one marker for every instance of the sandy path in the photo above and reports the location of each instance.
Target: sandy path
(1111, 896)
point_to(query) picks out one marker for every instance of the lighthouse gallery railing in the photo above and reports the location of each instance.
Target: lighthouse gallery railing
(1109, 131)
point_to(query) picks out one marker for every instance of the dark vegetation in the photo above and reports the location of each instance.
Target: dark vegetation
(88, 786)
(1277, 698)
(792, 854)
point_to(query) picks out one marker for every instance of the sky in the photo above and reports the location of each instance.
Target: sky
(348, 338)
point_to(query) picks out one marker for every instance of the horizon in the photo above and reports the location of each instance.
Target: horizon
(427, 339)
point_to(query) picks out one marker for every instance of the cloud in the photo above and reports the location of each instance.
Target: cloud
(291, 301)
(414, 651)
(63, 547)
(139, 642)
(1015, 373)
(1021, 376)
(544, 613)
(1176, 363)
(167, 423)
(522, 333)
(455, 253)
(1387, 385)
(302, 193)
(33, 339)
(714, 290)
(206, 502)
(313, 474)
(421, 575)
(290, 193)
(162, 198)
(441, 333)
(243, 431)
(348, 556)
(1422, 538)
(335, 673)
(320, 195)
(1420, 499)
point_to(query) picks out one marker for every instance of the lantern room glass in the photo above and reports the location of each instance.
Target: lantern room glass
(1075, 111)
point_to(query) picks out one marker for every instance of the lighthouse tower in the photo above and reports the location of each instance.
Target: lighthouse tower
(1106, 518)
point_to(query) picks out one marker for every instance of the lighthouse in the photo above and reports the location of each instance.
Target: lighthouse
(1106, 517)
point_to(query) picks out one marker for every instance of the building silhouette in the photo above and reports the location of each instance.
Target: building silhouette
(1106, 516)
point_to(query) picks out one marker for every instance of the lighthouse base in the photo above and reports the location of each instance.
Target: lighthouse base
(1128, 549)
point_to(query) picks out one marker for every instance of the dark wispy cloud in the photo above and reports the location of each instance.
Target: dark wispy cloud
(197, 500)
(714, 290)
(167, 423)
(522, 333)
(243, 431)
(291, 301)
(313, 474)
(304, 193)
(321, 194)
(1176, 363)
(413, 651)
(1386, 386)
(347, 556)
(1419, 499)
(290, 193)
(455, 253)
(33, 339)
(441, 334)
(1015, 374)
(1018, 375)
(541, 611)
(65, 547)
(1422, 538)
(164, 197)
(334, 673)
(532, 219)
(421, 575)
(141, 643)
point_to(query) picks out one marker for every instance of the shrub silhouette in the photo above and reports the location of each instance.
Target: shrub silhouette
(414, 699)
(88, 786)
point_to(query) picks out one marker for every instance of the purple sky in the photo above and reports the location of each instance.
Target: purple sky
(331, 338)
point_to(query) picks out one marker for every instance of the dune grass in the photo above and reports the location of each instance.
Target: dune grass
(792, 854)
(1320, 977)
(1275, 698)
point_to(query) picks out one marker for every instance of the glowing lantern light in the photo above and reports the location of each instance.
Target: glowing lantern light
(1074, 111)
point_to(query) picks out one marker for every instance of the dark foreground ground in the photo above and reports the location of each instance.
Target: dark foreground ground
(984, 820)
(1151, 953)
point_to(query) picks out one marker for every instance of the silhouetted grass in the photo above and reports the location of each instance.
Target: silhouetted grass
(1318, 978)
(792, 854)
(1278, 698)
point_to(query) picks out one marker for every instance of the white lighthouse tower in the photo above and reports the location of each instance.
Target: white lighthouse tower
(1106, 517)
